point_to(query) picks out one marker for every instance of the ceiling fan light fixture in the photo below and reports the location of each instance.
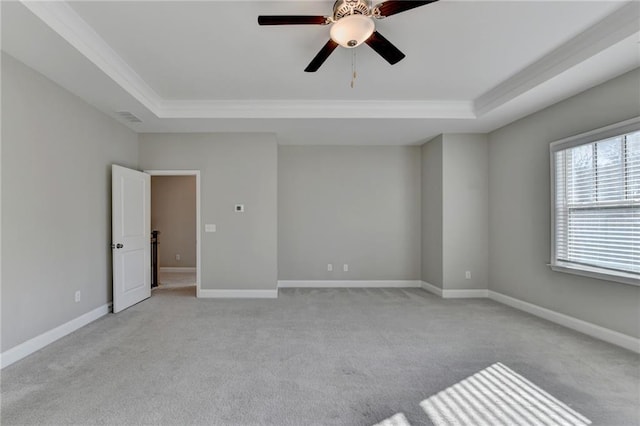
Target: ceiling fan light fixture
(353, 30)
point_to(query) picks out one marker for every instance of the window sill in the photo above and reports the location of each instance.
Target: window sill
(598, 273)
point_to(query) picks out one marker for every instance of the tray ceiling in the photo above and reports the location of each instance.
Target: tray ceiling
(207, 66)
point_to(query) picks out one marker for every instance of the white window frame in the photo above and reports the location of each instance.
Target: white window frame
(618, 129)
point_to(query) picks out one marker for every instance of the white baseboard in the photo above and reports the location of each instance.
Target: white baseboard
(454, 293)
(590, 329)
(349, 284)
(593, 330)
(178, 270)
(465, 294)
(237, 294)
(16, 353)
(431, 288)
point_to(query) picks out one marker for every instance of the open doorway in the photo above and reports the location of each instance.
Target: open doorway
(175, 213)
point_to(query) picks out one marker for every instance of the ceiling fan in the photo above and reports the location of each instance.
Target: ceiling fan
(352, 23)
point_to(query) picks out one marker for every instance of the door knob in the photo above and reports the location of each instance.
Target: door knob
(117, 246)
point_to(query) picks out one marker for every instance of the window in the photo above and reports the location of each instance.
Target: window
(596, 203)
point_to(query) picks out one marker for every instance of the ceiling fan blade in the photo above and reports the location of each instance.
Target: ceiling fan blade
(384, 48)
(392, 7)
(322, 56)
(291, 20)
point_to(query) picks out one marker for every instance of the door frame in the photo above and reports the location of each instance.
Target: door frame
(195, 173)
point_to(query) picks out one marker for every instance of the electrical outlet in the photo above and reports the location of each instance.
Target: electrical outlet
(77, 297)
(330, 267)
(345, 267)
(467, 275)
(177, 257)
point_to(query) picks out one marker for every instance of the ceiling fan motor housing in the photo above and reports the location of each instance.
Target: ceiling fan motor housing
(342, 8)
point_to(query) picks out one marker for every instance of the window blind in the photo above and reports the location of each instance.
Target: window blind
(597, 204)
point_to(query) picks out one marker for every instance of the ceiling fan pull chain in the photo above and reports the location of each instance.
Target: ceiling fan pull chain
(353, 68)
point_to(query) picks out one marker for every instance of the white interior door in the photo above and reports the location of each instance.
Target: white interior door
(130, 224)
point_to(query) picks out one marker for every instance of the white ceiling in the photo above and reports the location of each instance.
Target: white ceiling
(471, 66)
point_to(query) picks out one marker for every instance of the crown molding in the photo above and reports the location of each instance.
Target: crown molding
(614, 28)
(316, 109)
(62, 19)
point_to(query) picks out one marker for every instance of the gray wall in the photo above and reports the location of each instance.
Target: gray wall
(465, 216)
(455, 213)
(432, 210)
(173, 213)
(353, 205)
(234, 169)
(56, 203)
(519, 211)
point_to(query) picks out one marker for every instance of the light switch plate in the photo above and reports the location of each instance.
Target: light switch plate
(209, 227)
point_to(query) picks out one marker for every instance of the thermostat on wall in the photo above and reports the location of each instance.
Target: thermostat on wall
(239, 208)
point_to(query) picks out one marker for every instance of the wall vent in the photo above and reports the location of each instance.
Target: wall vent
(129, 117)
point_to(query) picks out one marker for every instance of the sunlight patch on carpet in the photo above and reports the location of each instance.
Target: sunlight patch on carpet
(498, 396)
(395, 420)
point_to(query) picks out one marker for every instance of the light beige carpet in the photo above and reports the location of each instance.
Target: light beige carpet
(347, 357)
